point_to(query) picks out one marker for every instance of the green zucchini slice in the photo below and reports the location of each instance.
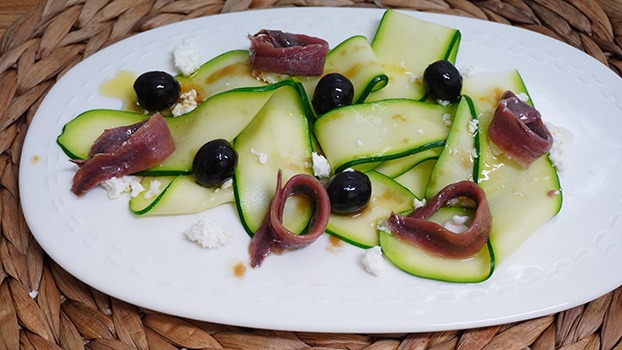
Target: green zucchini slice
(419, 262)
(179, 195)
(277, 138)
(227, 71)
(458, 159)
(367, 133)
(520, 199)
(405, 46)
(223, 115)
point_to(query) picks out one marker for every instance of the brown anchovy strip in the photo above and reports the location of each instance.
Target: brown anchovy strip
(124, 150)
(517, 129)
(287, 53)
(272, 236)
(434, 238)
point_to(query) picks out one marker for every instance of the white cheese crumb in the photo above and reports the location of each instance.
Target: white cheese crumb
(447, 119)
(187, 104)
(383, 226)
(115, 187)
(373, 261)
(443, 102)
(33, 294)
(457, 224)
(473, 153)
(420, 131)
(261, 157)
(523, 97)
(321, 167)
(187, 58)
(154, 189)
(227, 184)
(208, 234)
(561, 136)
(417, 203)
(473, 126)
(359, 143)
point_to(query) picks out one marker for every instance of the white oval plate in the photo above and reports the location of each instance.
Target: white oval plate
(148, 262)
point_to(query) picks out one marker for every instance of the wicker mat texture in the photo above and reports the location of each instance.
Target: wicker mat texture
(65, 313)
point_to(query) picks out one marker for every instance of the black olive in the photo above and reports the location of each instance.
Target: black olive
(349, 192)
(214, 163)
(332, 91)
(156, 90)
(443, 80)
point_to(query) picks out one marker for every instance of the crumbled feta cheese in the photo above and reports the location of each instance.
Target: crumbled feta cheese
(227, 184)
(321, 167)
(269, 77)
(447, 119)
(359, 143)
(473, 126)
(383, 226)
(473, 153)
(420, 131)
(457, 224)
(154, 189)
(208, 234)
(561, 136)
(417, 203)
(261, 157)
(187, 104)
(373, 261)
(443, 102)
(33, 294)
(187, 58)
(115, 187)
(523, 97)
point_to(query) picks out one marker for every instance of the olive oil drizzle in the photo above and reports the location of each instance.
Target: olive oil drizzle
(121, 87)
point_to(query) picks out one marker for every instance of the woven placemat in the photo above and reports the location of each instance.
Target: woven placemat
(43, 307)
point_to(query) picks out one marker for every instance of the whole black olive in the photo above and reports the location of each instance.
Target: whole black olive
(332, 91)
(156, 90)
(349, 192)
(214, 163)
(443, 80)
